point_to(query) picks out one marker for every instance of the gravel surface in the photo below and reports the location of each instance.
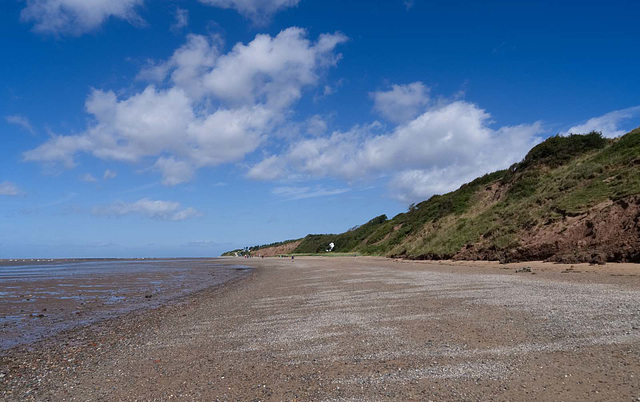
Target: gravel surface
(356, 329)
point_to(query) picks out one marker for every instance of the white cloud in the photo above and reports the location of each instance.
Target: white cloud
(109, 174)
(259, 11)
(402, 102)
(89, 178)
(173, 171)
(155, 209)
(439, 150)
(316, 125)
(181, 19)
(20, 121)
(214, 108)
(416, 184)
(272, 70)
(270, 168)
(185, 214)
(408, 4)
(609, 124)
(298, 193)
(188, 65)
(126, 130)
(77, 16)
(9, 188)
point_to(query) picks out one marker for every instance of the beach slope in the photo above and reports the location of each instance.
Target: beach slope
(358, 329)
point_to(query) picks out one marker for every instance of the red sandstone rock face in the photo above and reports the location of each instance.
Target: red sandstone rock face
(277, 250)
(609, 232)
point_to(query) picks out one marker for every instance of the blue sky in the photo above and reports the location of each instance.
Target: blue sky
(138, 128)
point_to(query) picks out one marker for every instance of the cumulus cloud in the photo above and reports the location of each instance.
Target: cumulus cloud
(173, 171)
(77, 16)
(20, 121)
(402, 102)
(609, 124)
(272, 71)
(9, 188)
(205, 108)
(439, 150)
(259, 11)
(154, 209)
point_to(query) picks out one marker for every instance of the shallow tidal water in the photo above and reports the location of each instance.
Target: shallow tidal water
(42, 298)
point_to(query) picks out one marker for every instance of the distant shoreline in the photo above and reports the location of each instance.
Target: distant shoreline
(38, 261)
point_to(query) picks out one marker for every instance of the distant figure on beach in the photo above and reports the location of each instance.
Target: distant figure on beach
(292, 257)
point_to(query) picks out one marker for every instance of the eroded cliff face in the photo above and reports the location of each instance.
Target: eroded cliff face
(572, 199)
(277, 250)
(608, 232)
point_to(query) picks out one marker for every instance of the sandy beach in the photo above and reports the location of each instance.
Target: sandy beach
(357, 329)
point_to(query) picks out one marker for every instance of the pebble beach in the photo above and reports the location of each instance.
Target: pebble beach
(356, 329)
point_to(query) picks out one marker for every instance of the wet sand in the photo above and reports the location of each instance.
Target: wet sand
(39, 298)
(358, 329)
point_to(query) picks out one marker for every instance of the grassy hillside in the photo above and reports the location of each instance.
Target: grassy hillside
(571, 198)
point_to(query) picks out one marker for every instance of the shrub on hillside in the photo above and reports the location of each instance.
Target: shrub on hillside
(558, 150)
